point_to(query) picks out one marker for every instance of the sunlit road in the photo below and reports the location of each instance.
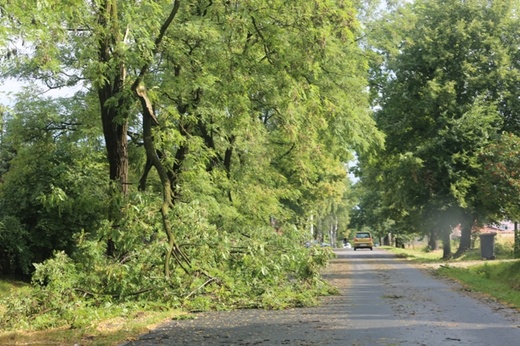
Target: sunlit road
(383, 301)
(391, 303)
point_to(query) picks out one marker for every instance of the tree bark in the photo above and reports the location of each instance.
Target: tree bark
(446, 243)
(466, 226)
(517, 241)
(433, 240)
(465, 237)
(116, 145)
(114, 113)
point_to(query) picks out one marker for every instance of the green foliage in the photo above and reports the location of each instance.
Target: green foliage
(14, 251)
(440, 83)
(504, 250)
(7, 285)
(54, 187)
(499, 184)
(258, 108)
(228, 270)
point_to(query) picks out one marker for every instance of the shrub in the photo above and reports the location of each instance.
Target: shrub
(225, 270)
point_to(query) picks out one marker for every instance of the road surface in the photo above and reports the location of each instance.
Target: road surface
(383, 301)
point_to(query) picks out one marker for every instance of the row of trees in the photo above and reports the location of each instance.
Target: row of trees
(202, 139)
(199, 140)
(445, 87)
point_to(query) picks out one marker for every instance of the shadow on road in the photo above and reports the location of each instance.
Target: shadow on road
(382, 301)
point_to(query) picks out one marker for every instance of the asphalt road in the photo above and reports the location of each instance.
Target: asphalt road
(383, 301)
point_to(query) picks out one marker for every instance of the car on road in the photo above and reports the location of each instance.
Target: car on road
(363, 240)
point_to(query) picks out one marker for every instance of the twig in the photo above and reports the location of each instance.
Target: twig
(198, 288)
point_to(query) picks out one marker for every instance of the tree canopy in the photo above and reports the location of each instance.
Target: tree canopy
(443, 88)
(202, 139)
(201, 144)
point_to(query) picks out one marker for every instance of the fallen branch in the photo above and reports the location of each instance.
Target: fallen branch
(198, 288)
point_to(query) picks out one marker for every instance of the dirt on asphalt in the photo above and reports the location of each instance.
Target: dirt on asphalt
(382, 300)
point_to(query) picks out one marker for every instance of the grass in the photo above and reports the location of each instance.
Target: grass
(7, 285)
(422, 256)
(498, 279)
(417, 255)
(503, 250)
(113, 327)
(107, 332)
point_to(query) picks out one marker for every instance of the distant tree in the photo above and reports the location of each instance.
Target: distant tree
(499, 184)
(443, 93)
(54, 187)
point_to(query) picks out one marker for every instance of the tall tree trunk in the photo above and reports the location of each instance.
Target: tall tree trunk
(117, 146)
(517, 241)
(433, 240)
(446, 243)
(114, 113)
(465, 236)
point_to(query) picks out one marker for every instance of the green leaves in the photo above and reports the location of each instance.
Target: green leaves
(499, 184)
(440, 88)
(257, 105)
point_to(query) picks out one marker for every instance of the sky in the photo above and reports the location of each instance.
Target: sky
(9, 87)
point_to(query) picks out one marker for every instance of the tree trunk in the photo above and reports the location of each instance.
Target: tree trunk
(114, 113)
(517, 241)
(465, 236)
(433, 240)
(446, 243)
(116, 144)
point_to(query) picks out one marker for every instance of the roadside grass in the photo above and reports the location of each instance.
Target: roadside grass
(498, 279)
(108, 331)
(433, 256)
(104, 326)
(419, 253)
(416, 254)
(7, 285)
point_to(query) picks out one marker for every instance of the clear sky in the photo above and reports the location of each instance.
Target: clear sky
(9, 87)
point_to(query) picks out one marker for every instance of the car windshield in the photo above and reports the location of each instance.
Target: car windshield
(362, 235)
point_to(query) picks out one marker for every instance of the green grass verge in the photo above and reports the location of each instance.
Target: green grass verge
(420, 255)
(417, 255)
(500, 280)
(108, 331)
(7, 285)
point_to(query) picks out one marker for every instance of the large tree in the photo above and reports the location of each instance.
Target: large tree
(443, 93)
(246, 110)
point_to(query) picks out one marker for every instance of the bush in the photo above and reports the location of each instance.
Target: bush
(504, 250)
(225, 270)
